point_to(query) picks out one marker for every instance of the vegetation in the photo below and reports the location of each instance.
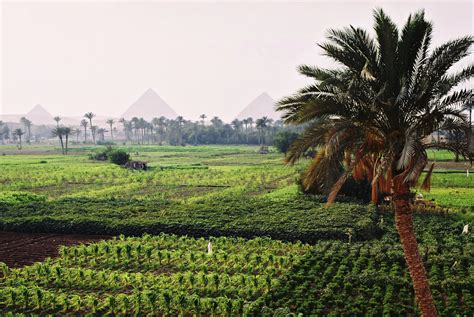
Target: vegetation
(119, 157)
(172, 275)
(214, 191)
(372, 114)
(371, 278)
(162, 274)
(283, 140)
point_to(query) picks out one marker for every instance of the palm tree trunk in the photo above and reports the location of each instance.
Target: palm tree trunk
(404, 225)
(62, 144)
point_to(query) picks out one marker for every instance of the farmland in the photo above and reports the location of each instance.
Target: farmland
(342, 260)
(212, 191)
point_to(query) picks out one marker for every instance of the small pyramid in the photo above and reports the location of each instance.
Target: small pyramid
(262, 106)
(150, 105)
(39, 115)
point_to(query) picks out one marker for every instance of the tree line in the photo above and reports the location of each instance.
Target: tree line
(178, 131)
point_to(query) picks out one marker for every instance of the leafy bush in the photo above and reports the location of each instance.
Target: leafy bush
(119, 157)
(102, 155)
(283, 140)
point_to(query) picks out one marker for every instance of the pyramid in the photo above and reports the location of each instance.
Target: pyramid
(39, 115)
(262, 106)
(149, 106)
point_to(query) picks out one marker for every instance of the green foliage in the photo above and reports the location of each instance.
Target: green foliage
(371, 278)
(14, 198)
(212, 191)
(119, 157)
(283, 140)
(151, 275)
(223, 214)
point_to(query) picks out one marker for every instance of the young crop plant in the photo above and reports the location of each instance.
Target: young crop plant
(149, 275)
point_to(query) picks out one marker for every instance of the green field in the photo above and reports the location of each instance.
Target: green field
(452, 189)
(345, 260)
(192, 190)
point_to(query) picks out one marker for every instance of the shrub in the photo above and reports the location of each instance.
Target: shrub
(102, 155)
(119, 157)
(283, 140)
(360, 191)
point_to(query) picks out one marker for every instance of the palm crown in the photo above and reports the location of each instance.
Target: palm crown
(374, 112)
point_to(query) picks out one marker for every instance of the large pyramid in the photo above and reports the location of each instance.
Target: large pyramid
(149, 106)
(262, 106)
(39, 115)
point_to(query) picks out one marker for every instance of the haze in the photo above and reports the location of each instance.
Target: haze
(211, 58)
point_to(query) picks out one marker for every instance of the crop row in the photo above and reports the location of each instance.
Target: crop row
(167, 277)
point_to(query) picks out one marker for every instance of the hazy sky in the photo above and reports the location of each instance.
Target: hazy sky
(201, 57)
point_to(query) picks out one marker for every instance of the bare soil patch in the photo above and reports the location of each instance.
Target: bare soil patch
(18, 249)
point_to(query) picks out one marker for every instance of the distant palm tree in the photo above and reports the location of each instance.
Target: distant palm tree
(84, 124)
(90, 115)
(262, 125)
(59, 132)
(57, 119)
(127, 128)
(4, 131)
(161, 125)
(93, 132)
(179, 123)
(111, 122)
(77, 132)
(27, 124)
(101, 133)
(250, 122)
(203, 118)
(373, 113)
(19, 133)
(66, 132)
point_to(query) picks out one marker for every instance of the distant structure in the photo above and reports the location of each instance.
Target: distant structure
(150, 105)
(262, 106)
(39, 115)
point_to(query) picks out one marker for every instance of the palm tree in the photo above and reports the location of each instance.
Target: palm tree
(101, 133)
(111, 122)
(373, 113)
(126, 128)
(4, 131)
(84, 124)
(19, 132)
(77, 132)
(179, 125)
(27, 124)
(90, 115)
(261, 125)
(203, 118)
(57, 119)
(58, 132)
(66, 132)
(93, 131)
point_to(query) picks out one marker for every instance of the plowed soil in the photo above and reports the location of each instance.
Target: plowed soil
(18, 249)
